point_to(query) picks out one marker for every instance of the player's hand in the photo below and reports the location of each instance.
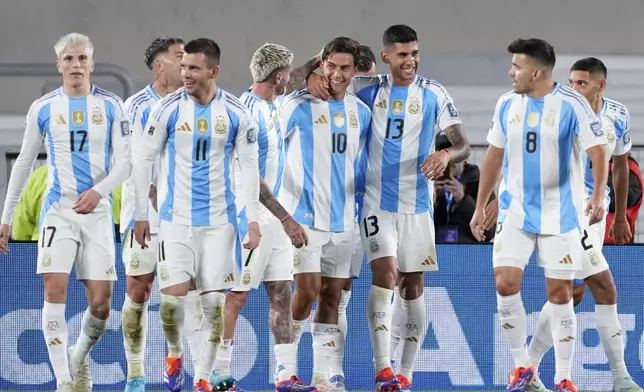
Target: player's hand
(318, 86)
(253, 236)
(5, 232)
(142, 233)
(152, 195)
(595, 209)
(491, 213)
(87, 202)
(620, 230)
(435, 164)
(454, 187)
(477, 224)
(295, 232)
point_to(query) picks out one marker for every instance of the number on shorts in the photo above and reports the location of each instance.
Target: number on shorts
(583, 241)
(161, 250)
(499, 227)
(52, 231)
(531, 142)
(373, 222)
(72, 141)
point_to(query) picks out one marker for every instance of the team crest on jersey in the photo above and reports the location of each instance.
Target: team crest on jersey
(533, 119)
(246, 278)
(397, 106)
(78, 116)
(220, 125)
(202, 125)
(338, 119)
(610, 136)
(353, 120)
(549, 120)
(414, 106)
(97, 116)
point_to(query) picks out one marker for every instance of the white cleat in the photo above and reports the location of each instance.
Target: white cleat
(536, 386)
(626, 384)
(66, 386)
(81, 373)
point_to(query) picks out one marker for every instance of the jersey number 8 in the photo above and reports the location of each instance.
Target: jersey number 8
(531, 142)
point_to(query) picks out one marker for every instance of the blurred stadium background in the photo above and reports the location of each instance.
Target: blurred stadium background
(462, 46)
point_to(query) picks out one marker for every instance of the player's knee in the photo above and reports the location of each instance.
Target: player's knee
(603, 288)
(170, 306)
(559, 291)
(384, 272)
(506, 288)
(307, 289)
(578, 293)
(100, 307)
(411, 285)
(279, 296)
(55, 287)
(330, 296)
(235, 301)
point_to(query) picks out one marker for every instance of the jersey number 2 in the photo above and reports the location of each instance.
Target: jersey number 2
(73, 135)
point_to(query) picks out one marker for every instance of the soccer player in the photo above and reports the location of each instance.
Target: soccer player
(396, 227)
(588, 77)
(163, 57)
(86, 130)
(323, 139)
(537, 132)
(198, 130)
(272, 261)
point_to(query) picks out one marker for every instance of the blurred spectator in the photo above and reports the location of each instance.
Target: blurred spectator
(455, 200)
(26, 221)
(633, 202)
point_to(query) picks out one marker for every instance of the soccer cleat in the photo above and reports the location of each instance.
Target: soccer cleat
(221, 383)
(82, 375)
(173, 374)
(536, 386)
(136, 384)
(520, 378)
(338, 382)
(565, 386)
(386, 381)
(66, 386)
(626, 384)
(202, 386)
(405, 384)
(294, 384)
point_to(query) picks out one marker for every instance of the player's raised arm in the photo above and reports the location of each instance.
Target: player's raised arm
(31, 143)
(246, 148)
(300, 74)
(120, 151)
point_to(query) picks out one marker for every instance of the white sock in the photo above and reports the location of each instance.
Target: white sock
(323, 342)
(224, 357)
(413, 329)
(135, 328)
(54, 328)
(542, 338)
(398, 315)
(513, 319)
(212, 326)
(342, 313)
(172, 314)
(298, 330)
(564, 333)
(336, 351)
(610, 334)
(92, 329)
(379, 317)
(192, 323)
(285, 358)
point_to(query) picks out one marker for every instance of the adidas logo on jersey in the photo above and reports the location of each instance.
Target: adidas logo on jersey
(230, 278)
(60, 120)
(382, 104)
(429, 261)
(322, 120)
(566, 260)
(185, 127)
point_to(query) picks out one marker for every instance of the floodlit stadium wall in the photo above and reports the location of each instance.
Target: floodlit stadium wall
(463, 347)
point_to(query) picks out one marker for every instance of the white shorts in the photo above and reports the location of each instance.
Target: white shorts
(139, 261)
(559, 255)
(357, 254)
(327, 253)
(592, 258)
(271, 261)
(86, 242)
(408, 237)
(204, 254)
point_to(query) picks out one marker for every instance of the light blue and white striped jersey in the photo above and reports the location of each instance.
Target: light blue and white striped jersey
(270, 142)
(404, 119)
(197, 145)
(323, 141)
(138, 108)
(82, 136)
(616, 122)
(542, 190)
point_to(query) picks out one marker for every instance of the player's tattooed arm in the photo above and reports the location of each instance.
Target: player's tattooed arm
(269, 201)
(460, 149)
(279, 294)
(299, 74)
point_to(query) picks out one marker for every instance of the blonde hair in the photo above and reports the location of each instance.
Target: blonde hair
(267, 59)
(74, 40)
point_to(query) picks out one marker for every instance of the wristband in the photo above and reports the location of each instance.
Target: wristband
(285, 219)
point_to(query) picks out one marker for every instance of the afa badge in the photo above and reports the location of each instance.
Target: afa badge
(414, 106)
(353, 120)
(97, 116)
(220, 125)
(125, 128)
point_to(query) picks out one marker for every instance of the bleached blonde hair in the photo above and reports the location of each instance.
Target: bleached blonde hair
(267, 59)
(74, 40)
